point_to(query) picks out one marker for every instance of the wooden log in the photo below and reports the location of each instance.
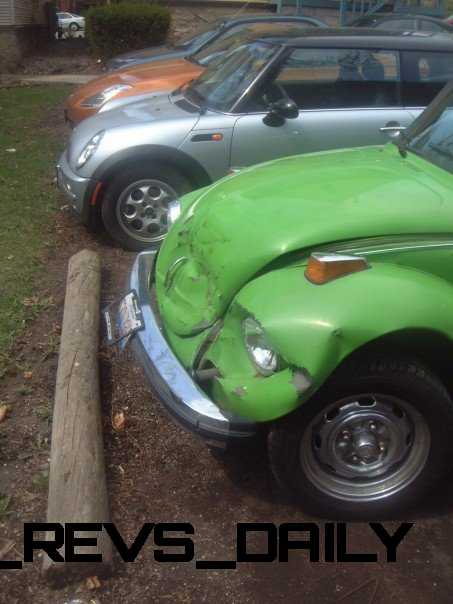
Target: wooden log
(77, 482)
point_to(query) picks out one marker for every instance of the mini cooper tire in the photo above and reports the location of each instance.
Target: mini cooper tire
(134, 208)
(409, 452)
(74, 27)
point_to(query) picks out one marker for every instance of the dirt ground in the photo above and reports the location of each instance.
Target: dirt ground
(157, 473)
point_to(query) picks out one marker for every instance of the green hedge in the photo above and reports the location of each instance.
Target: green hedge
(117, 28)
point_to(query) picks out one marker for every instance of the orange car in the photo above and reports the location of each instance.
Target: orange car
(142, 79)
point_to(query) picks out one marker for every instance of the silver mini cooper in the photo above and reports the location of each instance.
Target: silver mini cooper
(268, 98)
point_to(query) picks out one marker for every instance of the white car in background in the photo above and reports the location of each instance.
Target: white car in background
(71, 23)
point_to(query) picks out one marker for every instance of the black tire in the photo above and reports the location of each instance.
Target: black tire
(391, 379)
(73, 27)
(117, 191)
(93, 222)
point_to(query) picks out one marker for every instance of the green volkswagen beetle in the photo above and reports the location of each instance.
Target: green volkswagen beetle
(311, 299)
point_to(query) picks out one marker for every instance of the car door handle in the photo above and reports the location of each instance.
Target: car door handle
(392, 128)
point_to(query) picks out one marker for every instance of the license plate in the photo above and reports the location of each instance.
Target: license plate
(122, 319)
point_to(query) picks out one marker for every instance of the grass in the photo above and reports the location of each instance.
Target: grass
(28, 200)
(4, 503)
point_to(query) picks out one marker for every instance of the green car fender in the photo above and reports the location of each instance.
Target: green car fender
(315, 327)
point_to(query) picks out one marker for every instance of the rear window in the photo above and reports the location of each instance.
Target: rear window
(424, 75)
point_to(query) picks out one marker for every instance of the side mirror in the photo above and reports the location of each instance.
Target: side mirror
(280, 111)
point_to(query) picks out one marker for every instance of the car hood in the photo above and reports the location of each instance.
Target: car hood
(155, 74)
(144, 53)
(133, 117)
(148, 56)
(241, 224)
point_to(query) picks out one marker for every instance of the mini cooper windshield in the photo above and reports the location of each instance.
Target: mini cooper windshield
(433, 138)
(222, 85)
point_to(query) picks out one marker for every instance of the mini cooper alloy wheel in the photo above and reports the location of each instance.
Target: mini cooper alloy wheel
(142, 209)
(362, 449)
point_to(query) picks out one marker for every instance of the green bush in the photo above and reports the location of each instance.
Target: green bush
(117, 28)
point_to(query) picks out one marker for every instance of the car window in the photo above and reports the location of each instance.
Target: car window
(431, 26)
(367, 21)
(424, 75)
(243, 33)
(397, 25)
(331, 78)
(200, 38)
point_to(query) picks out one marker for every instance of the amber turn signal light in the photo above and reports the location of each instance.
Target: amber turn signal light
(323, 268)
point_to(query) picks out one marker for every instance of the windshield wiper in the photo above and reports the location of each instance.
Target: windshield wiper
(196, 99)
(191, 59)
(441, 150)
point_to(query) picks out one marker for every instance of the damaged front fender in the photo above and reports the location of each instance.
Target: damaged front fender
(262, 398)
(315, 327)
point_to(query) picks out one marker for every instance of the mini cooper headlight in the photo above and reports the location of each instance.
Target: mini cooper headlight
(260, 351)
(89, 149)
(102, 97)
(174, 212)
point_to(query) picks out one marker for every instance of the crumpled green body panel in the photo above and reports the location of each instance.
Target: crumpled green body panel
(317, 327)
(314, 328)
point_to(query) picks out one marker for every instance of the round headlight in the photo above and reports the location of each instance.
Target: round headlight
(174, 211)
(89, 149)
(260, 351)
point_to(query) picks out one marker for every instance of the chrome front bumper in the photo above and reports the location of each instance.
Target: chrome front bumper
(74, 187)
(180, 395)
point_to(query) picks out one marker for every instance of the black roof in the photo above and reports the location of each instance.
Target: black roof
(377, 18)
(268, 19)
(391, 16)
(366, 38)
